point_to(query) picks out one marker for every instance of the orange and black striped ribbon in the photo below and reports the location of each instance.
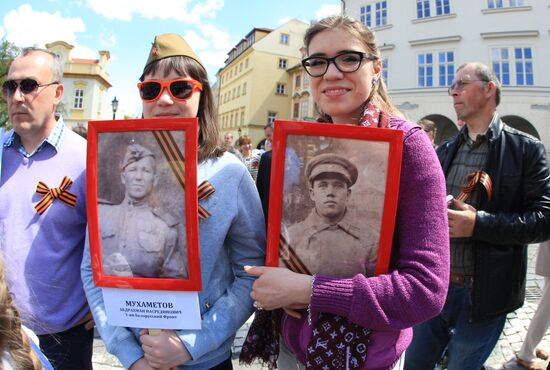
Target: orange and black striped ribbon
(474, 178)
(175, 158)
(49, 195)
(204, 191)
(289, 257)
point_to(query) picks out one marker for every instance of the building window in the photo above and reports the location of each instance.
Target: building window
(510, 62)
(271, 117)
(281, 89)
(282, 63)
(284, 38)
(501, 64)
(442, 7)
(240, 67)
(380, 18)
(304, 108)
(425, 70)
(381, 13)
(298, 81)
(78, 98)
(296, 110)
(244, 88)
(385, 64)
(306, 80)
(422, 8)
(366, 15)
(238, 91)
(446, 68)
(246, 63)
(495, 4)
(250, 39)
(524, 66)
(242, 117)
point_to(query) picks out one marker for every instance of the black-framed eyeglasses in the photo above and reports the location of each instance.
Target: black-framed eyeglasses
(180, 89)
(26, 86)
(346, 62)
(459, 85)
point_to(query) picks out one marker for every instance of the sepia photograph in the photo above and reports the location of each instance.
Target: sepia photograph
(142, 229)
(335, 195)
(142, 225)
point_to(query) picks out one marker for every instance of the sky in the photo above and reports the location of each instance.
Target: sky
(126, 28)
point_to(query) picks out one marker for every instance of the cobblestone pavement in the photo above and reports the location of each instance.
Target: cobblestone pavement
(502, 358)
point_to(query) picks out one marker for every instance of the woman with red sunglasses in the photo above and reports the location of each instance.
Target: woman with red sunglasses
(174, 83)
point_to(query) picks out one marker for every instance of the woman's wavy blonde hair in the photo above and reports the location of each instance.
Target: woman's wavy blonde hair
(13, 339)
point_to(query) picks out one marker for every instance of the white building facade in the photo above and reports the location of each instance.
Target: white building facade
(423, 42)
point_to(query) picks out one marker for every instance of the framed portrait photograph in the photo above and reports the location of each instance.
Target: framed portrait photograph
(142, 204)
(333, 198)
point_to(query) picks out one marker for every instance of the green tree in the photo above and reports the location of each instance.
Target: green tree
(8, 52)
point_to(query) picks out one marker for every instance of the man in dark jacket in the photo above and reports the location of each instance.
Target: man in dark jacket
(500, 183)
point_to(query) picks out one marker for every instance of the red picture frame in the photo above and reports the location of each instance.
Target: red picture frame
(172, 142)
(377, 153)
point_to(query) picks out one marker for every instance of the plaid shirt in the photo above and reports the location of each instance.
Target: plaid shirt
(471, 156)
(54, 139)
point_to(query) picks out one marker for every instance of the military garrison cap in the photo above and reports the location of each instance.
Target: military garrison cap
(170, 45)
(331, 163)
(134, 153)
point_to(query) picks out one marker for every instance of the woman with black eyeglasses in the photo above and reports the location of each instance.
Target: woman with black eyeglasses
(174, 83)
(366, 321)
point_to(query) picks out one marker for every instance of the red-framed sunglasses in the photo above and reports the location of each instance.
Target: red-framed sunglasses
(180, 89)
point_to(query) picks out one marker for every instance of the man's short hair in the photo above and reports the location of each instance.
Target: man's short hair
(486, 74)
(331, 163)
(269, 125)
(57, 67)
(428, 125)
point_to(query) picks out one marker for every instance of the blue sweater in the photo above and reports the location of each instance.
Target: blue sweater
(234, 236)
(43, 252)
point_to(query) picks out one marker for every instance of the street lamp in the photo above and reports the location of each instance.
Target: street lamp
(114, 105)
(239, 131)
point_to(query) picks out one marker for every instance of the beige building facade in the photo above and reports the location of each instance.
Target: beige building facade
(423, 42)
(86, 82)
(302, 106)
(254, 85)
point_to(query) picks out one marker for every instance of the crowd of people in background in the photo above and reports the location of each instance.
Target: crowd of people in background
(465, 215)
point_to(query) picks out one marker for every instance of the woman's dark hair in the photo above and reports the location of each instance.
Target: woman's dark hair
(210, 145)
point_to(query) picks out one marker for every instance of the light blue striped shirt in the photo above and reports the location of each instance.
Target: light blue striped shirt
(54, 139)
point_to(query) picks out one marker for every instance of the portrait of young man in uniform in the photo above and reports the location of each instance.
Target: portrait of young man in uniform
(139, 239)
(331, 239)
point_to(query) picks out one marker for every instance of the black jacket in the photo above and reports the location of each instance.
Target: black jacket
(517, 214)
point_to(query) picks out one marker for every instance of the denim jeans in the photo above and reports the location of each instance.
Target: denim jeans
(69, 350)
(469, 344)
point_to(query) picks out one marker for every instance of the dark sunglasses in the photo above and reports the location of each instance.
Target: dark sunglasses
(181, 89)
(26, 86)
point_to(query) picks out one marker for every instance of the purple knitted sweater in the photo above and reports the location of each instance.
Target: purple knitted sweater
(415, 288)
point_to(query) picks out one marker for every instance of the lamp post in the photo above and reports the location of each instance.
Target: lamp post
(239, 131)
(114, 105)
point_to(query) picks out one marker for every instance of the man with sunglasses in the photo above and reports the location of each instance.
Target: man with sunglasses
(43, 212)
(490, 227)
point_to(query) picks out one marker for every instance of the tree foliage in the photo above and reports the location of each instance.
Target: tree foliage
(8, 52)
